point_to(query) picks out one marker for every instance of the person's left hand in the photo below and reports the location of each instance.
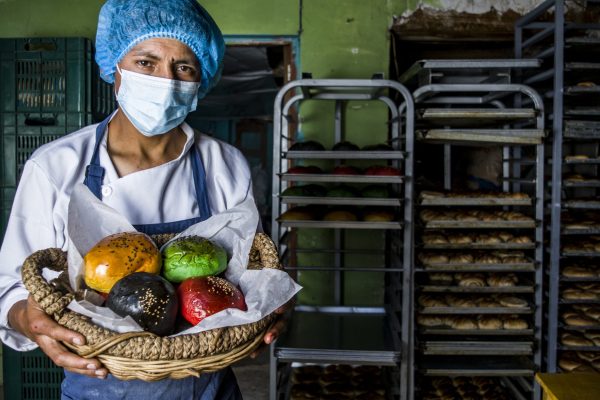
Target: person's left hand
(277, 328)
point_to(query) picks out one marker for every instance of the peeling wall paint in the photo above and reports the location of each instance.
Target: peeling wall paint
(477, 6)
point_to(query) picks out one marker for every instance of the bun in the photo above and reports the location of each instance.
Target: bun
(147, 298)
(511, 301)
(576, 271)
(569, 339)
(514, 323)
(472, 280)
(460, 239)
(429, 320)
(378, 216)
(489, 323)
(192, 256)
(463, 323)
(579, 320)
(434, 239)
(298, 214)
(117, 256)
(340, 215)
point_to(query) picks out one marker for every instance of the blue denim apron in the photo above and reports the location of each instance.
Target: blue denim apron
(220, 385)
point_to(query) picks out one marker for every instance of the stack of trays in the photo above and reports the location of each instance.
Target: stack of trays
(475, 288)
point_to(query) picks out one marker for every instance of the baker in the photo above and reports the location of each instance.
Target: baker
(145, 162)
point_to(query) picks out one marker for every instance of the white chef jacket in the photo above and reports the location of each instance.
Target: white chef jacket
(165, 193)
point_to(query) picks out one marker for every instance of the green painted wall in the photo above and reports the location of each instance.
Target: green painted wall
(20, 18)
(338, 39)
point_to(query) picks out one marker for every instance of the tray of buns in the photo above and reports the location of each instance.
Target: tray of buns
(583, 292)
(431, 198)
(487, 261)
(579, 361)
(473, 304)
(495, 136)
(333, 178)
(477, 366)
(589, 247)
(581, 159)
(476, 347)
(348, 201)
(589, 204)
(337, 381)
(345, 155)
(476, 219)
(577, 272)
(481, 388)
(499, 240)
(473, 325)
(581, 316)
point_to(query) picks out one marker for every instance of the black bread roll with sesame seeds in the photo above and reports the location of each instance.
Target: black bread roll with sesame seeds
(149, 299)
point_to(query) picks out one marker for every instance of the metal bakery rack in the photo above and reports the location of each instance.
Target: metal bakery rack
(477, 284)
(340, 332)
(570, 82)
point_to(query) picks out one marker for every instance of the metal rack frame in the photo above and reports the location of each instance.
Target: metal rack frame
(539, 33)
(401, 125)
(457, 92)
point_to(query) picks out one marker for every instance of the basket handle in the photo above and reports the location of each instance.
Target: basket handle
(52, 300)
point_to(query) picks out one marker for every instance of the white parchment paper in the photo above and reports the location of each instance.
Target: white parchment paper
(90, 220)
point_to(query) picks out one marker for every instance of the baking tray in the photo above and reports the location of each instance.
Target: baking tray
(485, 289)
(477, 366)
(504, 136)
(338, 338)
(578, 90)
(475, 310)
(582, 111)
(475, 332)
(564, 301)
(579, 66)
(479, 348)
(474, 201)
(501, 224)
(528, 267)
(578, 348)
(341, 178)
(591, 160)
(345, 155)
(574, 279)
(586, 183)
(580, 254)
(582, 129)
(486, 115)
(583, 41)
(582, 231)
(582, 204)
(340, 224)
(480, 246)
(348, 201)
(566, 327)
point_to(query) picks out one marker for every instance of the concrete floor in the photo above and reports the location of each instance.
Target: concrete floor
(253, 377)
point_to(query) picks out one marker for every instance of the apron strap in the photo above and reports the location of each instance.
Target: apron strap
(94, 172)
(200, 183)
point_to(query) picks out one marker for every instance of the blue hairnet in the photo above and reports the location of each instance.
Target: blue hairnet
(122, 24)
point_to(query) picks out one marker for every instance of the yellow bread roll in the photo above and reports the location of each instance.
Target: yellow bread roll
(117, 256)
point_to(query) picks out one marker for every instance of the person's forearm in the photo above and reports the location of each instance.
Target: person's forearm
(17, 317)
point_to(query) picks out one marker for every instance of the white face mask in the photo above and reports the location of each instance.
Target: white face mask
(155, 105)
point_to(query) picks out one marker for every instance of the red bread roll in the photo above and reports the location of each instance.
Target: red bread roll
(204, 296)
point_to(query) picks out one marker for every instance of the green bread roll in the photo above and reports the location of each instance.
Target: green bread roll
(193, 256)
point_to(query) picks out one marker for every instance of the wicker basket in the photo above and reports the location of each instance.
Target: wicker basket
(143, 355)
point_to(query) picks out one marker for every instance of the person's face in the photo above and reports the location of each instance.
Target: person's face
(164, 58)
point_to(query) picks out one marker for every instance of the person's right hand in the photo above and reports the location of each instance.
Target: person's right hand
(28, 318)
